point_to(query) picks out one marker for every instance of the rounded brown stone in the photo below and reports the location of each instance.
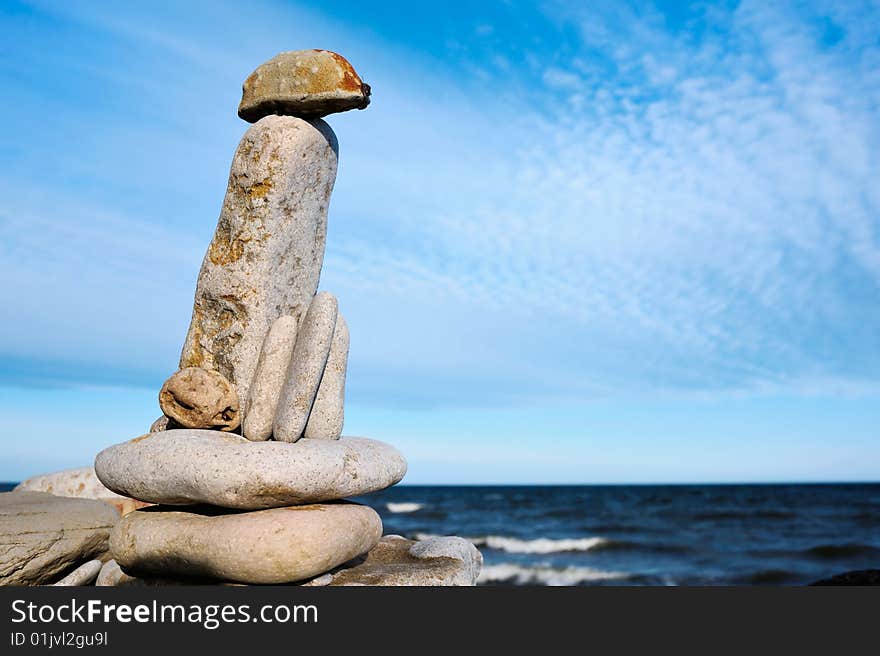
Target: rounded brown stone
(199, 398)
(303, 83)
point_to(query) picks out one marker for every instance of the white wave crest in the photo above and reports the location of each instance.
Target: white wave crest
(512, 573)
(536, 546)
(403, 507)
(539, 545)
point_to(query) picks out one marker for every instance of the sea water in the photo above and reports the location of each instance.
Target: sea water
(647, 534)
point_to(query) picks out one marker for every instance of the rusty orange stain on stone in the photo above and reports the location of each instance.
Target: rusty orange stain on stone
(350, 80)
(259, 189)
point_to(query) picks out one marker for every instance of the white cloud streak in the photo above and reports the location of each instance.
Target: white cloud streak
(643, 210)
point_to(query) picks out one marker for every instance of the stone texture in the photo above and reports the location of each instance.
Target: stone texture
(111, 574)
(310, 353)
(278, 545)
(162, 423)
(265, 258)
(306, 83)
(319, 581)
(82, 575)
(328, 411)
(42, 535)
(396, 561)
(80, 483)
(199, 398)
(265, 389)
(181, 467)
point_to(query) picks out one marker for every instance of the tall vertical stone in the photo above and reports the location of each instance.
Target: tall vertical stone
(266, 256)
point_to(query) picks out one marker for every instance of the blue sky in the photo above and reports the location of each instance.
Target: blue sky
(638, 243)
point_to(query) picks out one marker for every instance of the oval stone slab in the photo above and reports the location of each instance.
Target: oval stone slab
(273, 546)
(184, 467)
(306, 83)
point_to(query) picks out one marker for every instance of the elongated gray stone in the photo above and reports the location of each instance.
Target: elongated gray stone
(42, 535)
(307, 364)
(82, 575)
(279, 545)
(265, 258)
(328, 410)
(182, 467)
(265, 389)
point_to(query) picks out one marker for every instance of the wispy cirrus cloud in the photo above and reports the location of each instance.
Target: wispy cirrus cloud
(608, 202)
(677, 212)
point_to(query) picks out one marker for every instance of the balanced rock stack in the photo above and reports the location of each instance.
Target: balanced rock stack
(247, 465)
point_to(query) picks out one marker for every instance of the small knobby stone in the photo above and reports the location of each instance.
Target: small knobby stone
(200, 398)
(162, 423)
(303, 83)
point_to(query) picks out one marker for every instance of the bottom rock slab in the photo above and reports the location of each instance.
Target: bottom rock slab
(396, 561)
(279, 545)
(43, 536)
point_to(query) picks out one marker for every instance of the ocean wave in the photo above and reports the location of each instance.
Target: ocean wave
(543, 546)
(403, 507)
(521, 575)
(536, 546)
(539, 545)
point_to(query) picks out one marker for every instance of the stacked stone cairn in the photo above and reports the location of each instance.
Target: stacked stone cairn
(247, 466)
